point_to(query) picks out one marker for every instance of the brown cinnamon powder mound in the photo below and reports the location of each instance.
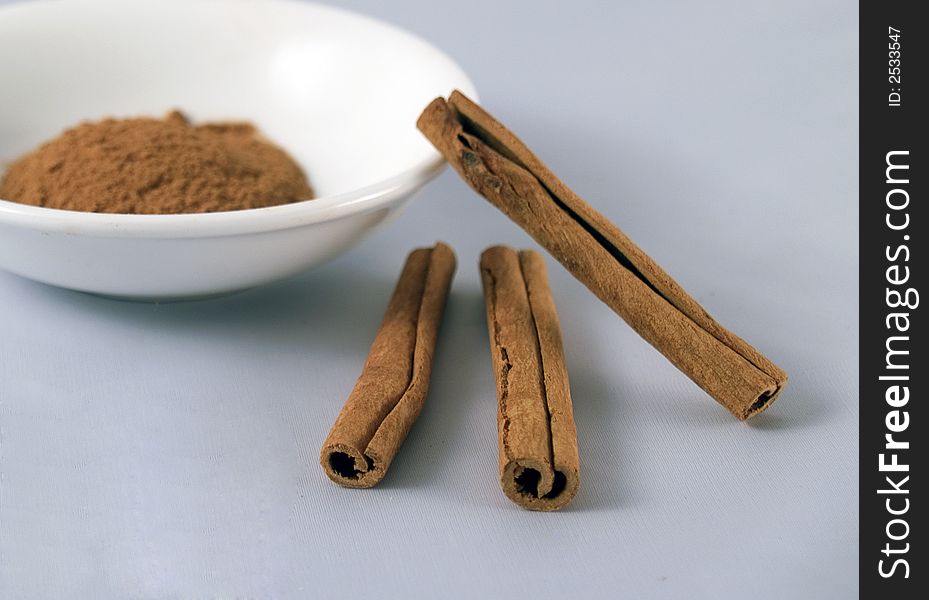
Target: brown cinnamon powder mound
(156, 166)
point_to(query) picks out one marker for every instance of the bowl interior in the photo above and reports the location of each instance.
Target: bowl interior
(340, 92)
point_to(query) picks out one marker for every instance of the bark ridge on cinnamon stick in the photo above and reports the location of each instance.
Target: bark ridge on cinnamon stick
(539, 463)
(389, 393)
(494, 162)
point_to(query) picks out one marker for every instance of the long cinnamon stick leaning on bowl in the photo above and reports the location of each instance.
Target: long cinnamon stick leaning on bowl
(539, 464)
(494, 162)
(389, 394)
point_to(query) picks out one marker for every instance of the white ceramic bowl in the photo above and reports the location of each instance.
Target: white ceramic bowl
(339, 91)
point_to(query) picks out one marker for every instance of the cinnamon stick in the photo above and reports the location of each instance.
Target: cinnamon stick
(539, 464)
(391, 389)
(494, 162)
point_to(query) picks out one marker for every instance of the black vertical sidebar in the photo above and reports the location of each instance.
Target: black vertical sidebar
(894, 370)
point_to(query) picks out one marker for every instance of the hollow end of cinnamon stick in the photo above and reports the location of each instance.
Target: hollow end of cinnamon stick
(765, 399)
(535, 485)
(350, 467)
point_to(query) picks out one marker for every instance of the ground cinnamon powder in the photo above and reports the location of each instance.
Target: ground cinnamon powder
(156, 166)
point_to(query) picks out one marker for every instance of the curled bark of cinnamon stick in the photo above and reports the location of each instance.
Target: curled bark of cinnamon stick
(494, 162)
(391, 389)
(539, 464)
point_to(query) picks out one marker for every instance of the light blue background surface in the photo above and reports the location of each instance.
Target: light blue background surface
(169, 451)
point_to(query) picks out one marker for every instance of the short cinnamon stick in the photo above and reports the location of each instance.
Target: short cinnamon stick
(494, 162)
(390, 392)
(539, 464)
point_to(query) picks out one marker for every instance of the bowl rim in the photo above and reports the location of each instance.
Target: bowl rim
(234, 222)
